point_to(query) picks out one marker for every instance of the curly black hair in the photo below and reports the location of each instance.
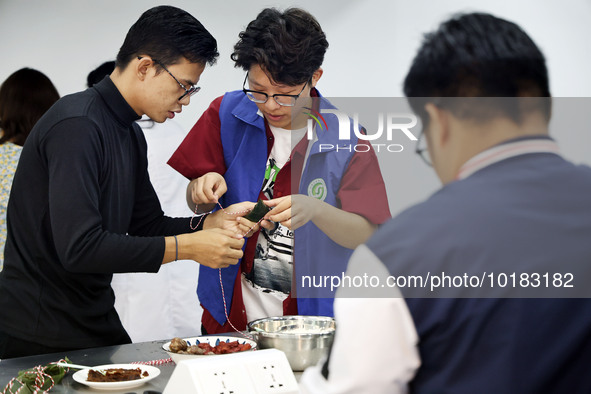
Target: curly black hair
(290, 46)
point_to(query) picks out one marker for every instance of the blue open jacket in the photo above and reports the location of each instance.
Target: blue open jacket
(244, 144)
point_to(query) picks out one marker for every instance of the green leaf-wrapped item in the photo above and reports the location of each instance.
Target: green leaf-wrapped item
(258, 212)
(24, 383)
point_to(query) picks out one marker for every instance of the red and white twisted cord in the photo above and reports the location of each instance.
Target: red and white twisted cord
(154, 362)
(40, 380)
(202, 215)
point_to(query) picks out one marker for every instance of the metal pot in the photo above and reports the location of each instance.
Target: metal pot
(303, 339)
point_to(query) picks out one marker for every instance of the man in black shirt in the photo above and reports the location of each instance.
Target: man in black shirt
(82, 206)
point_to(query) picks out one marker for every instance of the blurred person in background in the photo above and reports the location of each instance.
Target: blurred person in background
(172, 290)
(24, 98)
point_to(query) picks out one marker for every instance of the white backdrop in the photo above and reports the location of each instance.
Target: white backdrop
(371, 45)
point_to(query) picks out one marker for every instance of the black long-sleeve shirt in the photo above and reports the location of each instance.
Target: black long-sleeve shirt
(81, 208)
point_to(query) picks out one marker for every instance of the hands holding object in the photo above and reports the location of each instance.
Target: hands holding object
(220, 242)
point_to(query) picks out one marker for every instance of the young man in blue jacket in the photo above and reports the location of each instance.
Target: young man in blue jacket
(252, 144)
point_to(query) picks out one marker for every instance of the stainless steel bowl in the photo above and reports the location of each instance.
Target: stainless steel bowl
(303, 339)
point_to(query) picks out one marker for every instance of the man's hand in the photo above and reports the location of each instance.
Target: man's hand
(347, 229)
(205, 191)
(214, 248)
(231, 219)
(293, 211)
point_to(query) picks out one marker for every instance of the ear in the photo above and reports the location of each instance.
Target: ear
(316, 76)
(142, 67)
(438, 124)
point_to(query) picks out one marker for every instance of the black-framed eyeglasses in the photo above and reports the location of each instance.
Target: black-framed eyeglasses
(188, 92)
(285, 100)
(421, 149)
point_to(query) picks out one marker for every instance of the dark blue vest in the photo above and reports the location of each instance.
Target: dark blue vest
(527, 214)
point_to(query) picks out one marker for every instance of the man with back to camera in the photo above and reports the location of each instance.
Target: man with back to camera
(510, 203)
(251, 144)
(82, 206)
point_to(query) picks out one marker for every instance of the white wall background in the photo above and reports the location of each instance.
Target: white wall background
(371, 45)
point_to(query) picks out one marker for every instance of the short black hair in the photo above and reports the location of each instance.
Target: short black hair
(288, 45)
(167, 34)
(24, 97)
(97, 75)
(477, 55)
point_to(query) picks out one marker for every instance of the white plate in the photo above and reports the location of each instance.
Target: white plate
(213, 340)
(82, 375)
